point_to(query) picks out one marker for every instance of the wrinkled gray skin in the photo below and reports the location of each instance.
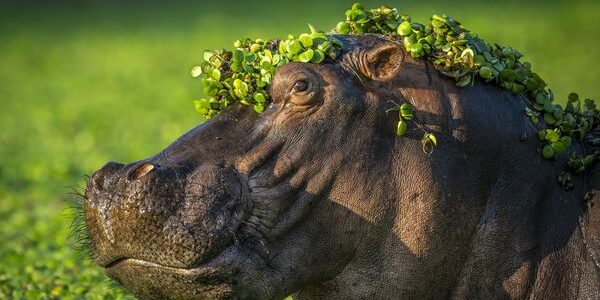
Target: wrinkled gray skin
(318, 197)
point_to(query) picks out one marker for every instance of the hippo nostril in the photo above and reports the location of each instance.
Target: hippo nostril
(139, 170)
(97, 179)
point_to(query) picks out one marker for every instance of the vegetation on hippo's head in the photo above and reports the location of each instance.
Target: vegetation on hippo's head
(245, 73)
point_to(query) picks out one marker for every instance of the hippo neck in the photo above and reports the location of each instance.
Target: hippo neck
(542, 248)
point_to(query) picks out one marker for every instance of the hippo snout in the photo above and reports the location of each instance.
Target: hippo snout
(173, 216)
(98, 178)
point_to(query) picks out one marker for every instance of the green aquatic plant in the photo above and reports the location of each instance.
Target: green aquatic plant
(245, 73)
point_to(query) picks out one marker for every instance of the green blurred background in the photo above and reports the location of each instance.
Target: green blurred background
(85, 82)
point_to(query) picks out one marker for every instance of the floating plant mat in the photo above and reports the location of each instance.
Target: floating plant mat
(244, 74)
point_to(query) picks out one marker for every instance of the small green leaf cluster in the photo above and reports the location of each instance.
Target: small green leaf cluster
(245, 73)
(460, 54)
(578, 162)
(573, 121)
(382, 20)
(555, 144)
(405, 114)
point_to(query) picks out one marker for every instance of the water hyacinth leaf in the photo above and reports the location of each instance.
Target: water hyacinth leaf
(438, 23)
(267, 54)
(306, 56)
(248, 68)
(266, 78)
(557, 112)
(558, 147)
(259, 98)
(238, 55)
(549, 118)
(255, 48)
(196, 71)
(325, 46)
(432, 138)
(306, 40)
(467, 52)
(259, 108)
(249, 57)
(406, 111)
(319, 37)
(342, 28)
(216, 74)
(207, 55)
(548, 152)
(237, 83)
(236, 67)
(548, 107)
(485, 72)
(213, 103)
(540, 98)
(266, 65)
(573, 97)
(401, 128)
(416, 50)
(276, 59)
(518, 88)
(318, 56)
(202, 104)
(404, 28)
(552, 136)
(294, 47)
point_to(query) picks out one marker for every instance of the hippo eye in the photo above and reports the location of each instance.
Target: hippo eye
(300, 86)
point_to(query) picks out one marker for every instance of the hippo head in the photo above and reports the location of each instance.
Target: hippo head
(249, 206)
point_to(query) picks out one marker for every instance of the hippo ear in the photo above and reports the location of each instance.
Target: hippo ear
(384, 61)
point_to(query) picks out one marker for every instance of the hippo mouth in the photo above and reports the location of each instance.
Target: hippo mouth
(150, 280)
(218, 264)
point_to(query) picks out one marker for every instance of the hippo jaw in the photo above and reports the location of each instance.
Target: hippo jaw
(149, 280)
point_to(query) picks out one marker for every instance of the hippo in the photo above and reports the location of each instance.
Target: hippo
(318, 198)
